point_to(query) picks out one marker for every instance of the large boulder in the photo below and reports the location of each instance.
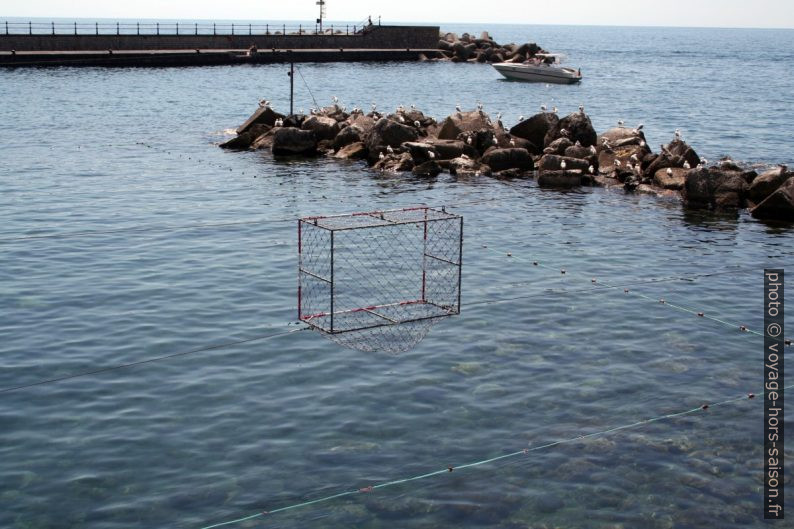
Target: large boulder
(779, 205)
(580, 151)
(389, 133)
(670, 178)
(354, 151)
(558, 146)
(244, 140)
(324, 128)
(619, 137)
(429, 168)
(460, 122)
(535, 128)
(395, 163)
(466, 166)
(290, 141)
(264, 115)
(362, 121)
(348, 135)
(448, 149)
(420, 152)
(710, 187)
(768, 182)
(578, 127)
(514, 158)
(628, 154)
(552, 162)
(680, 148)
(563, 179)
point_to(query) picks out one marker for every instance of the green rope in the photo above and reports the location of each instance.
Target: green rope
(510, 455)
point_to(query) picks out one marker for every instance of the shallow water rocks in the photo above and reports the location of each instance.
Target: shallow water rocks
(779, 205)
(466, 166)
(681, 149)
(558, 146)
(714, 188)
(553, 162)
(768, 182)
(535, 128)
(244, 140)
(395, 163)
(264, 115)
(577, 127)
(561, 179)
(450, 149)
(619, 137)
(348, 135)
(429, 168)
(289, 141)
(513, 158)
(388, 133)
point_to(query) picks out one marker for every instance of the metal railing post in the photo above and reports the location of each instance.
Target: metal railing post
(285, 29)
(196, 28)
(232, 28)
(75, 28)
(213, 29)
(53, 28)
(137, 28)
(96, 28)
(300, 29)
(267, 28)
(6, 27)
(177, 28)
(249, 29)
(117, 29)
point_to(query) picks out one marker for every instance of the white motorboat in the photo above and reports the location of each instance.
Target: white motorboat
(543, 68)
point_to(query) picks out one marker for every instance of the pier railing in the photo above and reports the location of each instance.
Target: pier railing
(176, 28)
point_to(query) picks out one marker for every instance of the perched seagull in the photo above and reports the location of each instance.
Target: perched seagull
(468, 140)
(581, 109)
(520, 119)
(578, 143)
(381, 156)
(677, 134)
(554, 109)
(413, 107)
(543, 108)
(593, 150)
(634, 158)
(640, 127)
(479, 106)
(563, 165)
(457, 107)
(335, 99)
(591, 169)
(431, 154)
(687, 166)
(620, 123)
(498, 116)
(642, 143)
(617, 163)
(669, 172)
(564, 132)
(374, 106)
(512, 142)
(417, 124)
(264, 103)
(704, 161)
(401, 119)
(389, 149)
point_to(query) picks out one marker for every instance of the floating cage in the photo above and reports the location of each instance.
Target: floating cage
(379, 280)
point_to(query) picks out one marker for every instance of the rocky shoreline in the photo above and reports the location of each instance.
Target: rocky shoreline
(561, 152)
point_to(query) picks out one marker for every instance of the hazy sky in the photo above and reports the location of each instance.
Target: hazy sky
(721, 13)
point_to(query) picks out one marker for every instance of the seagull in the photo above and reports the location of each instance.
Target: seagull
(581, 109)
(591, 169)
(498, 116)
(389, 149)
(431, 154)
(593, 149)
(620, 123)
(687, 166)
(374, 106)
(479, 106)
(677, 134)
(401, 119)
(413, 107)
(468, 140)
(642, 143)
(381, 156)
(417, 124)
(543, 108)
(563, 132)
(401, 109)
(264, 103)
(617, 163)
(563, 165)
(457, 107)
(704, 161)
(335, 99)
(520, 119)
(640, 127)
(633, 158)
(512, 142)
(554, 109)
(578, 143)
(669, 172)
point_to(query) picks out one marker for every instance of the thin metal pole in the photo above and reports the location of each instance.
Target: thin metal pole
(291, 87)
(196, 28)
(213, 29)
(6, 27)
(96, 27)
(332, 282)
(158, 28)
(460, 262)
(232, 28)
(53, 28)
(137, 28)
(75, 28)
(267, 29)
(117, 28)
(300, 267)
(30, 28)
(249, 29)
(177, 28)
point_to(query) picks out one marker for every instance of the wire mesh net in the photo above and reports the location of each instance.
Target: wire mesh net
(378, 281)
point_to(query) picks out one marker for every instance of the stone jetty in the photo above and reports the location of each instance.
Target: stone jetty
(468, 48)
(560, 151)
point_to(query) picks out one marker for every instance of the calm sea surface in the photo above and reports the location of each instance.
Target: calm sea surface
(112, 251)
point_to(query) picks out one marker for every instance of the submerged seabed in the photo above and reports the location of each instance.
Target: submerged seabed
(112, 252)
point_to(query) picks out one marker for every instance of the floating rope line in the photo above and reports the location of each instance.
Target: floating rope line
(597, 283)
(149, 360)
(510, 455)
(316, 104)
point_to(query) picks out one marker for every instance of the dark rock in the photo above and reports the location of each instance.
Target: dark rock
(363, 122)
(674, 180)
(632, 154)
(264, 141)
(324, 128)
(509, 174)
(535, 128)
(768, 182)
(264, 115)
(553, 162)
(447, 149)
(395, 163)
(460, 122)
(713, 188)
(779, 205)
(291, 141)
(619, 137)
(420, 152)
(348, 135)
(429, 168)
(680, 148)
(465, 166)
(243, 141)
(578, 127)
(294, 120)
(558, 146)
(514, 158)
(579, 151)
(389, 133)
(353, 151)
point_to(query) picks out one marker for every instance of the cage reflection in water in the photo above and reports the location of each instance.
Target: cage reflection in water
(378, 281)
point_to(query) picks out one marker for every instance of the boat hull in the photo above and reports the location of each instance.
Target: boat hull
(538, 74)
